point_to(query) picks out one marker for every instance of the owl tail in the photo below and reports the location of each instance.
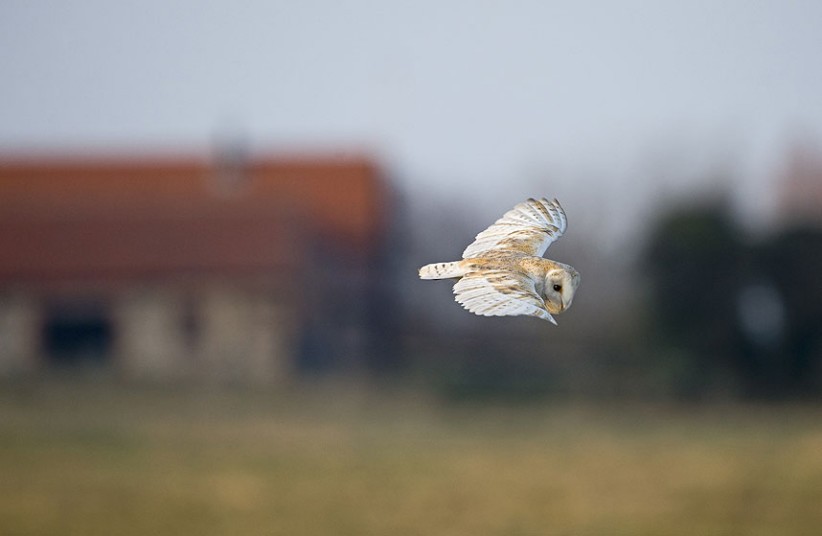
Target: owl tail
(441, 270)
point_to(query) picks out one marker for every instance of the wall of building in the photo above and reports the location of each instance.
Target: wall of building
(220, 333)
(19, 334)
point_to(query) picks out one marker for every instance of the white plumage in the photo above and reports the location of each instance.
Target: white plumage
(534, 224)
(503, 273)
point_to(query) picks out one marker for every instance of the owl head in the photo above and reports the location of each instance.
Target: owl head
(560, 286)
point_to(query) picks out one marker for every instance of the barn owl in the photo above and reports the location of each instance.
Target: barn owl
(502, 273)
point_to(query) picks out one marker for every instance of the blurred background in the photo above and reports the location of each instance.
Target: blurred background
(211, 220)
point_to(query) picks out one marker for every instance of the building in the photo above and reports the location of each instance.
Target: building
(183, 267)
(799, 189)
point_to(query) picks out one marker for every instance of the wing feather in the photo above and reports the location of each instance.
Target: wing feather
(498, 293)
(530, 227)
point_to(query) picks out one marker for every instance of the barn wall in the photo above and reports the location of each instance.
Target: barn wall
(150, 342)
(246, 337)
(19, 334)
(219, 334)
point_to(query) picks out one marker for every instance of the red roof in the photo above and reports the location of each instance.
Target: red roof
(114, 218)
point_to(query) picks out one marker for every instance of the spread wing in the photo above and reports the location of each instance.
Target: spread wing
(499, 293)
(530, 227)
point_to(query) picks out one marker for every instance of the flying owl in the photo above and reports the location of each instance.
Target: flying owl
(502, 273)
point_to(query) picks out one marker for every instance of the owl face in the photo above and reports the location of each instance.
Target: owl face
(560, 286)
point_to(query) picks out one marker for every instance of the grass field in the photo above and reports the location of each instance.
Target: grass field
(86, 459)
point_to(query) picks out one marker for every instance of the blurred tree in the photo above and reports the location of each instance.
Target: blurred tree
(694, 258)
(792, 261)
(721, 308)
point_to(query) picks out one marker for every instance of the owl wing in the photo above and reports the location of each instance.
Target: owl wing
(529, 228)
(500, 293)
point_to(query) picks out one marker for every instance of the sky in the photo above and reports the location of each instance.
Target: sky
(609, 105)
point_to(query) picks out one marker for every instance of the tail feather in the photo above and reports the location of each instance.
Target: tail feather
(441, 270)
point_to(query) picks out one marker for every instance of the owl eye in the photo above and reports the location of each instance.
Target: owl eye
(557, 288)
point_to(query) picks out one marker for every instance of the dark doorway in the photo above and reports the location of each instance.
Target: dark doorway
(77, 335)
